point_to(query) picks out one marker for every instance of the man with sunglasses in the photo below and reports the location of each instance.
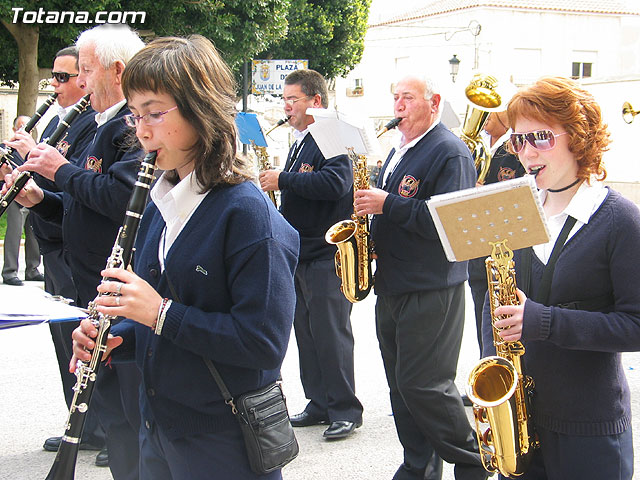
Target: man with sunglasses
(420, 306)
(96, 187)
(316, 193)
(57, 275)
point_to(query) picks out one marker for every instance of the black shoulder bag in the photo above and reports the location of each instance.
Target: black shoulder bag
(264, 420)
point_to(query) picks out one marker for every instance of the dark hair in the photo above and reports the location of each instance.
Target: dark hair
(69, 52)
(192, 72)
(311, 83)
(564, 102)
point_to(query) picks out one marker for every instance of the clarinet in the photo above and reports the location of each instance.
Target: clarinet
(22, 179)
(64, 465)
(7, 153)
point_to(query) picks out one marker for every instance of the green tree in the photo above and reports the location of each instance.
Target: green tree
(239, 29)
(329, 33)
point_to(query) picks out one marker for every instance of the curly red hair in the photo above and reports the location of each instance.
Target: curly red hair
(562, 101)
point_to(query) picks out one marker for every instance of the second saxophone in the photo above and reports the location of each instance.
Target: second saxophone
(351, 236)
(497, 386)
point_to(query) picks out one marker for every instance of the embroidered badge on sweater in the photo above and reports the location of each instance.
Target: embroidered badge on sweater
(408, 186)
(305, 167)
(506, 173)
(94, 164)
(63, 145)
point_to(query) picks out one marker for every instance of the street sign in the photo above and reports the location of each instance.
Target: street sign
(268, 75)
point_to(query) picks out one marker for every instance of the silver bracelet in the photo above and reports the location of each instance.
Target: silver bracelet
(162, 314)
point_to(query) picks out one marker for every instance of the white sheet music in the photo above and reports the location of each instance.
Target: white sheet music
(30, 305)
(334, 132)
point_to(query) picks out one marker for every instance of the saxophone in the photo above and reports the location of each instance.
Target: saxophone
(63, 467)
(351, 236)
(497, 387)
(263, 164)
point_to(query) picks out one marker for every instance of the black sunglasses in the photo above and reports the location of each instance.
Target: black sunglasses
(63, 77)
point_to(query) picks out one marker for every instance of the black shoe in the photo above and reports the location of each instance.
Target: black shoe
(15, 281)
(102, 459)
(305, 419)
(53, 443)
(466, 401)
(38, 277)
(340, 429)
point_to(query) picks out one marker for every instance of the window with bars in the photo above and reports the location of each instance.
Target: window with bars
(581, 69)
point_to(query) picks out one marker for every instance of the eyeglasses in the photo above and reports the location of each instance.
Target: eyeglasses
(63, 77)
(542, 140)
(292, 101)
(151, 118)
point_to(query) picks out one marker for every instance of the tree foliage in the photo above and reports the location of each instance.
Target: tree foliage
(329, 33)
(238, 28)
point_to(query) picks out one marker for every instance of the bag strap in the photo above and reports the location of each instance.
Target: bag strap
(547, 275)
(228, 399)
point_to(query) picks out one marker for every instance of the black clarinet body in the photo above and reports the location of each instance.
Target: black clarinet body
(64, 465)
(22, 179)
(30, 125)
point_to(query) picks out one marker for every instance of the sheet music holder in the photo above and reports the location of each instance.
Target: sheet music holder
(469, 219)
(249, 129)
(335, 132)
(32, 305)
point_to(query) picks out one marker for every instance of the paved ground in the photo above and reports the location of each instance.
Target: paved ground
(32, 407)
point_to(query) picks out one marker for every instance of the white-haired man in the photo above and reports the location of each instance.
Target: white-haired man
(95, 191)
(420, 306)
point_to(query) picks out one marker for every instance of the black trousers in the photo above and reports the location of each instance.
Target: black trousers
(567, 457)
(116, 403)
(325, 343)
(58, 281)
(420, 335)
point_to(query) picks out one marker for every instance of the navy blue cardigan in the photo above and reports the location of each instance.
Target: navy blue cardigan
(410, 255)
(572, 354)
(316, 193)
(74, 141)
(232, 267)
(96, 189)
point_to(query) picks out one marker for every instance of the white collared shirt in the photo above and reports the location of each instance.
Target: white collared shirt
(62, 111)
(299, 136)
(109, 113)
(176, 204)
(400, 151)
(583, 204)
(499, 142)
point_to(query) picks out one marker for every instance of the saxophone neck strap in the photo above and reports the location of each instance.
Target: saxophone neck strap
(547, 276)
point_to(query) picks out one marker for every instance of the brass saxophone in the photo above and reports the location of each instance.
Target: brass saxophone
(263, 164)
(497, 387)
(351, 236)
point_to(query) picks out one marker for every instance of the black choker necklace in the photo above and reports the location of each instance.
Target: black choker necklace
(578, 180)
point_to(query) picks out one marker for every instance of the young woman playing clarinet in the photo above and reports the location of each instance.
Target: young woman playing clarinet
(574, 325)
(214, 265)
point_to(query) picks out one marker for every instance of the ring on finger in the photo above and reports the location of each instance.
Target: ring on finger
(118, 288)
(118, 301)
